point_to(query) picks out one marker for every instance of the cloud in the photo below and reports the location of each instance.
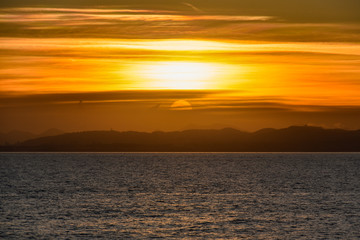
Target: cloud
(81, 10)
(11, 99)
(201, 100)
(309, 11)
(193, 7)
(153, 23)
(177, 45)
(73, 16)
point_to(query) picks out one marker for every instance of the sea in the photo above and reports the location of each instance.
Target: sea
(180, 196)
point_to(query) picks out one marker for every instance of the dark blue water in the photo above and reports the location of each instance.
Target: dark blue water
(177, 195)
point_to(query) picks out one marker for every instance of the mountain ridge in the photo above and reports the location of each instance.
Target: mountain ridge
(17, 136)
(291, 139)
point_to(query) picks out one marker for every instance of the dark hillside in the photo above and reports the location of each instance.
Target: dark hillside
(292, 139)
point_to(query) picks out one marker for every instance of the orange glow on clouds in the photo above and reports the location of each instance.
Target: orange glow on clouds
(175, 45)
(209, 58)
(64, 65)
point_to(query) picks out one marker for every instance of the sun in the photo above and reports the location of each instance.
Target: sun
(181, 105)
(179, 75)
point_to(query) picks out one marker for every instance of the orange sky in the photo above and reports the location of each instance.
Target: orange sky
(171, 66)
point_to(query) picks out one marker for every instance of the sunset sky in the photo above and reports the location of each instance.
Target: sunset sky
(172, 65)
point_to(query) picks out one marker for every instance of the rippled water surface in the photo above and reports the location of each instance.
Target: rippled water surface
(177, 195)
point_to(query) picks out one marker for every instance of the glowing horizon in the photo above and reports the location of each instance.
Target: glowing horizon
(217, 59)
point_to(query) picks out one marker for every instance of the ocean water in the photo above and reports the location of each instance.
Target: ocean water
(180, 195)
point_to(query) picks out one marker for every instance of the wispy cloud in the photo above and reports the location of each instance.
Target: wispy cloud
(11, 99)
(71, 16)
(145, 23)
(82, 10)
(174, 45)
(193, 7)
(201, 101)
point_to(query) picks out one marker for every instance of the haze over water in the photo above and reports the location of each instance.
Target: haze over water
(180, 195)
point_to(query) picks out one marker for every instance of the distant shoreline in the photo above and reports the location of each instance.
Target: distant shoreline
(291, 139)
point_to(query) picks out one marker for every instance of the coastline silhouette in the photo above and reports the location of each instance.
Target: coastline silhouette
(291, 139)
